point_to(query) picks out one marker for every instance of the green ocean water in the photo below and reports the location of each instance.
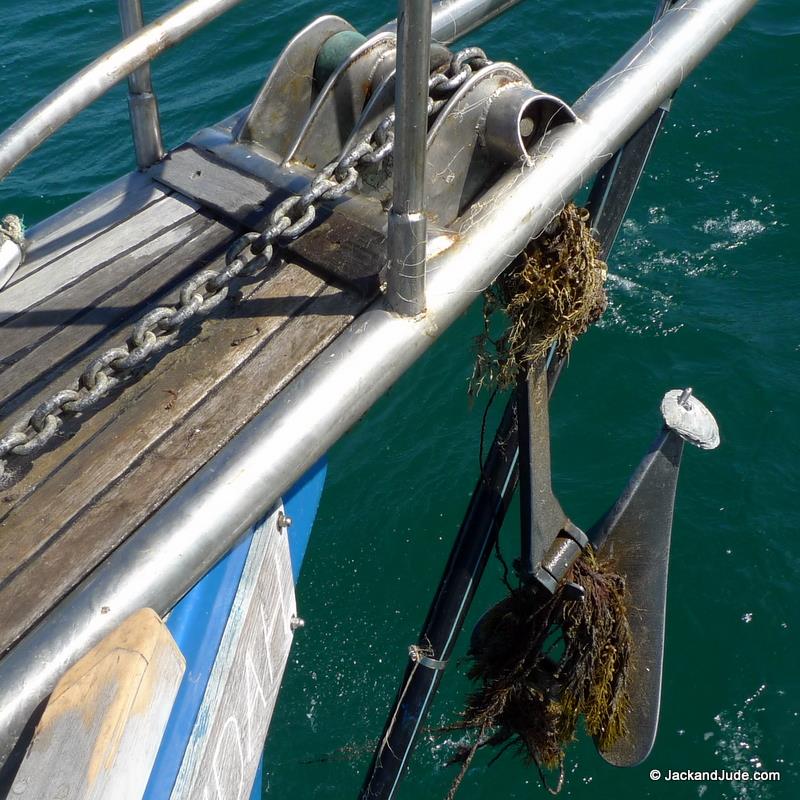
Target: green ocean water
(704, 292)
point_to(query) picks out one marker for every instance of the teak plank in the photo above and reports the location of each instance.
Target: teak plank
(131, 456)
(339, 247)
(33, 356)
(93, 255)
(70, 306)
(102, 726)
(86, 219)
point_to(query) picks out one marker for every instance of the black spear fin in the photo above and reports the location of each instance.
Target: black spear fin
(636, 532)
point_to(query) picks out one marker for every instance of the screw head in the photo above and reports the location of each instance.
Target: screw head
(283, 521)
(297, 622)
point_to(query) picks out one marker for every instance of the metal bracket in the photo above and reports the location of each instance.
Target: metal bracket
(341, 101)
(295, 127)
(376, 182)
(542, 515)
(550, 540)
(284, 101)
(418, 657)
(493, 121)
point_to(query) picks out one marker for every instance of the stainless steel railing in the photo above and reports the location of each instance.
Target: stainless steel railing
(92, 82)
(451, 19)
(142, 103)
(407, 221)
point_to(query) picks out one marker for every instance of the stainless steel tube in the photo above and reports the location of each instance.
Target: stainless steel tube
(80, 91)
(452, 19)
(142, 102)
(203, 520)
(131, 21)
(407, 222)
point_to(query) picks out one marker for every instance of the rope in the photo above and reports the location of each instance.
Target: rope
(12, 229)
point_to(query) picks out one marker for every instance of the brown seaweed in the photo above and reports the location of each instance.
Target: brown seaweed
(545, 661)
(550, 294)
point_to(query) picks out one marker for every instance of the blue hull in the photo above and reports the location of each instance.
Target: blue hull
(197, 624)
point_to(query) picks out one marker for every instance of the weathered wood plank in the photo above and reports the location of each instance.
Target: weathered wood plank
(228, 738)
(69, 307)
(143, 413)
(100, 731)
(38, 347)
(340, 247)
(93, 255)
(86, 219)
(131, 456)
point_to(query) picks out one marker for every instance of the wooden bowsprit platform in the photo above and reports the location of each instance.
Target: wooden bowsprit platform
(100, 730)
(91, 272)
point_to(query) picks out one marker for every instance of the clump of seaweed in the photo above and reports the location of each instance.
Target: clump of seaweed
(552, 292)
(545, 662)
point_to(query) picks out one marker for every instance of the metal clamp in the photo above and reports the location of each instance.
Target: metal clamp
(418, 657)
(565, 549)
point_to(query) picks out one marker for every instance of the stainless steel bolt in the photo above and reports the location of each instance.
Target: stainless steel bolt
(283, 521)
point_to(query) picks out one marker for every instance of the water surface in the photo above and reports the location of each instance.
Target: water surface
(704, 292)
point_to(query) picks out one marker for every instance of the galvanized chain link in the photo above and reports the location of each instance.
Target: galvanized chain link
(204, 291)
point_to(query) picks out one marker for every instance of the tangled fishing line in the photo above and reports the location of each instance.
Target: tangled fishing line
(543, 661)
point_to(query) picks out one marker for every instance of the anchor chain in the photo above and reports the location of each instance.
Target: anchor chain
(203, 292)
